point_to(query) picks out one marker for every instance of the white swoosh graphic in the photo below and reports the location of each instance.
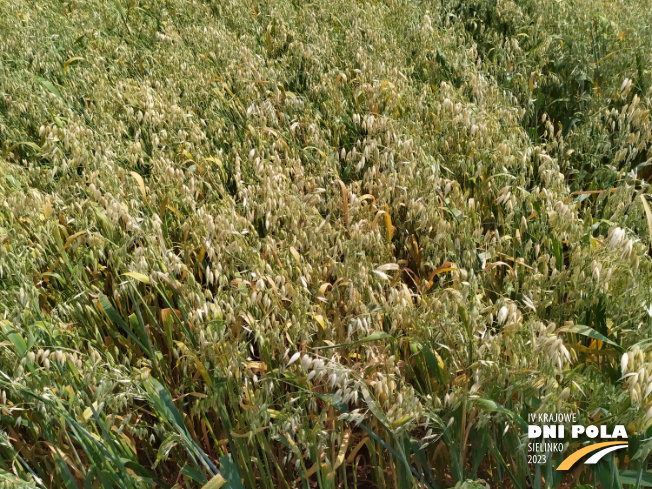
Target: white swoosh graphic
(594, 459)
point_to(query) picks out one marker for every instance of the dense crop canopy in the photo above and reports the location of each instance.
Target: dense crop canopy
(329, 244)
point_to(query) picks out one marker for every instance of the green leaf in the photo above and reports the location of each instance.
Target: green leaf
(13, 182)
(113, 315)
(18, 342)
(230, 472)
(163, 400)
(49, 86)
(434, 362)
(559, 259)
(631, 477)
(15, 338)
(195, 475)
(492, 406)
(31, 145)
(591, 333)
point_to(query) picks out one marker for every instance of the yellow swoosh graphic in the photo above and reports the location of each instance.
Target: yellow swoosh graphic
(574, 457)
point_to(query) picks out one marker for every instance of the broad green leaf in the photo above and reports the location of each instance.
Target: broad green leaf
(632, 477)
(49, 86)
(18, 342)
(194, 474)
(14, 337)
(230, 472)
(591, 333)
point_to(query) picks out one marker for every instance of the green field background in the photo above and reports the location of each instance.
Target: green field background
(341, 244)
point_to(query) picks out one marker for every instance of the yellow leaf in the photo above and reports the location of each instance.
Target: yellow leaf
(261, 367)
(648, 215)
(174, 210)
(320, 319)
(217, 161)
(342, 452)
(138, 276)
(141, 183)
(322, 289)
(163, 206)
(203, 371)
(401, 421)
(88, 412)
(295, 254)
(440, 362)
(446, 267)
(215, 483)
(390, 228)
(357, 448)
(71, 61)
(72, 238)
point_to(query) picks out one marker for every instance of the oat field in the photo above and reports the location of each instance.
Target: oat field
(347, 244)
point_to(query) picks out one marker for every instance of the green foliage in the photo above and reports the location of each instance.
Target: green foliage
(340, 244)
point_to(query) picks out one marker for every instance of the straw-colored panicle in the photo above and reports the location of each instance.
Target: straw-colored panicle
(336, 244)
